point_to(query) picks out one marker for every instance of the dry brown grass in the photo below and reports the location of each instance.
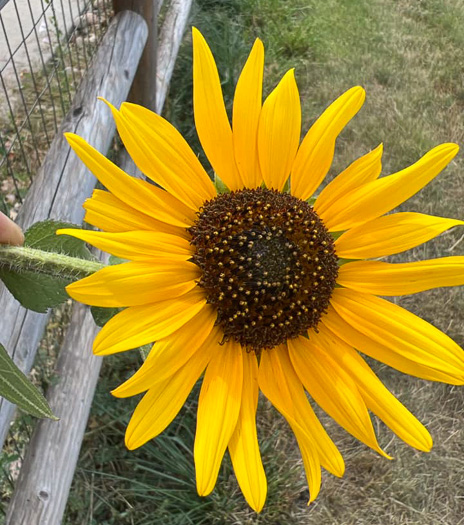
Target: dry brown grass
(408, 56)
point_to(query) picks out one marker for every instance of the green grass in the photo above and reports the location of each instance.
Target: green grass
(408, 56)
(156, 483)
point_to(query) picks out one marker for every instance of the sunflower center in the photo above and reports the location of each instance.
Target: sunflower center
(268, 265)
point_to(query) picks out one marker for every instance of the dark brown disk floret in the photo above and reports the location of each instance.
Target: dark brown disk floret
(268, 265)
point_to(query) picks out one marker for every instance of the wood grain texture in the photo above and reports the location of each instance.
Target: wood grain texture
(170, 37)
(42, 488)
(143, 90)
(48, 468)
(63, 182)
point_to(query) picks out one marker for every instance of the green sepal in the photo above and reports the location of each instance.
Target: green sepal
(220, 186)
(336, 235)
(17, 388)
(311, 201)
(342, 261)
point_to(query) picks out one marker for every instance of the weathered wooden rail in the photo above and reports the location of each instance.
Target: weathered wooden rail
(62, 183)
(58, 191)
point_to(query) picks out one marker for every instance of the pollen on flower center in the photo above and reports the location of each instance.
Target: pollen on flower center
(268, 265)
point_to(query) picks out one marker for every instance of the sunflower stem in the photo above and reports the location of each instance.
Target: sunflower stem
(22, 259)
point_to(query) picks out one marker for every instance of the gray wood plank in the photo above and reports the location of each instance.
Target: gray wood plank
(42, 488)
(46, 474)
(143, 90)
(170, 37)
(63, 182)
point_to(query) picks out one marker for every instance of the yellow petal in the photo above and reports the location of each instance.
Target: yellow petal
(136, 245)
(218, 410)
(279, 132)
(382, 195)
(172, 352)
(135, 283)
(329, 455)
(211, 119)
(243, 445)
(332, 389)
(107, 212)
(378, 399)
(279, 384)
(381, 278)
(359, 172)
(161, 152)
(317, 149)
(311, 462)
(160, 405)
(140, 325)
(137, 193)
(402, 331)
(384, 353)
(391, 234)
(245, 117)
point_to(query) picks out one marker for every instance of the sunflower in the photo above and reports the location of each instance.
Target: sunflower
(263, 286)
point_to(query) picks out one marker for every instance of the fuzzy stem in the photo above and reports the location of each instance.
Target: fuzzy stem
(22, 258)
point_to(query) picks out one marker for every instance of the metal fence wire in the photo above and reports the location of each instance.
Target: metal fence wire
(46, 47)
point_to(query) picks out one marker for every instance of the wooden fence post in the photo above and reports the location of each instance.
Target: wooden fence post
(143, 89)
(42, 488)
(58, 191)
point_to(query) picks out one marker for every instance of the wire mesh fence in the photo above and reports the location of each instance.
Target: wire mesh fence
(46, 47)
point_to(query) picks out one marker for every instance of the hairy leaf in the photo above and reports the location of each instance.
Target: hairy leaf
(42, 236)
(43, 287)
(17, 388)
(102, 315)
(35, 291)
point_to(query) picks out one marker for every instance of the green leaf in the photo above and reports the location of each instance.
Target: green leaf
(42, 236)
(102, 315)
(35, 291)
(40, 289)
(17, 388)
